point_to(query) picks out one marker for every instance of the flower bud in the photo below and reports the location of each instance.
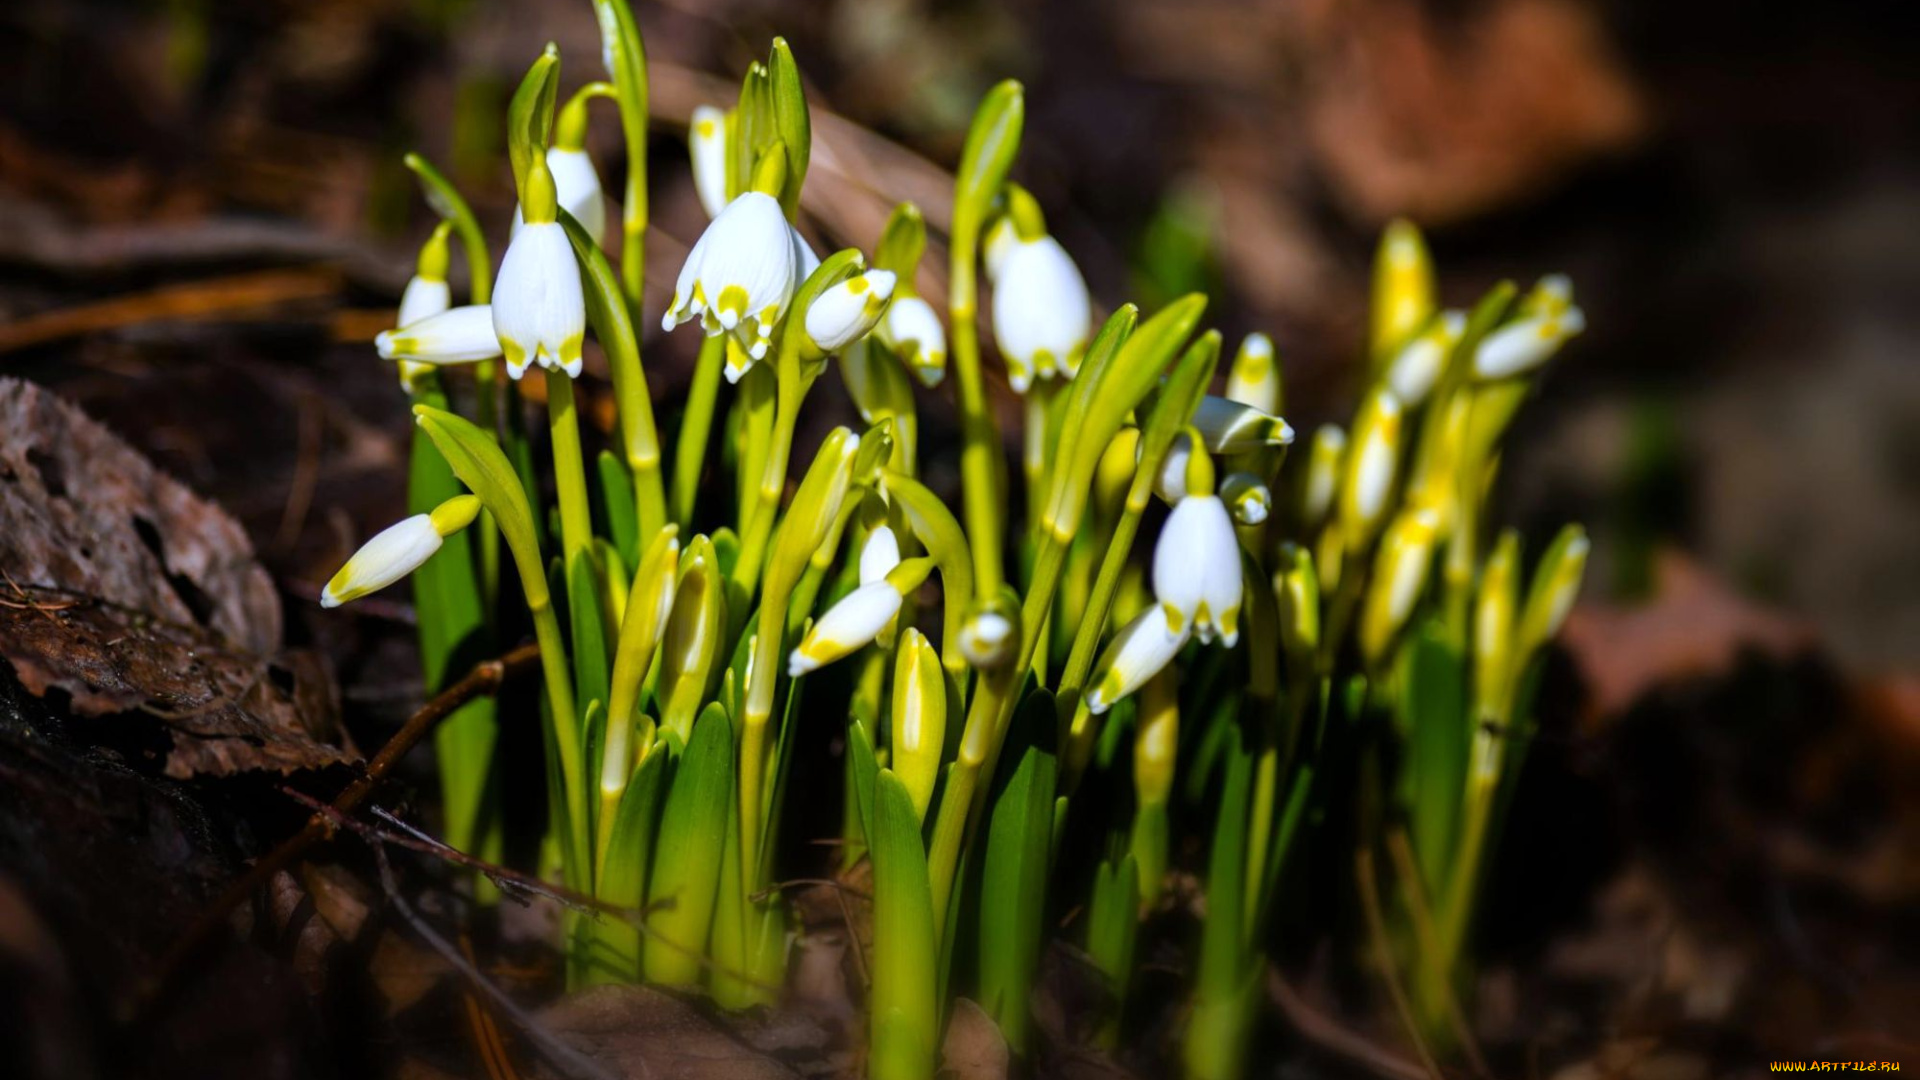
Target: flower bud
(844, 314)
(1228, 427)
(1371, 467)
(1137, 653)
(1556, 582)
(1325, 462)
(1400, 570)
(912, 329)
(427, 294)
(462, 335)
(1402, 287)
(990, 636)
(858, 619)
(1254, 378)
(1196, 570)
(707, 147)
(1296, 588)
(1247, 497)
(1157, 744)
(1526, 343)
(1418, 365)
(1493, 626)
(919, 717)
(398, 550)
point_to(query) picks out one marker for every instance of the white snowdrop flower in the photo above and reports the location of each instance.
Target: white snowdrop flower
(987, 639)
(426, 295)
(398, 550)
(1232, 428)
(1399, 577)
(577, 185)
(1196, 570)
(1324, 462)
(539, 310)
(879, 555)
(845, 313)
(1042, 315)
(1254, 378)
(1137, 653)
(849, 625)
(1248, 498)
(1551, 295)
(912, 329)
(707, 147)
(1413, 372)
(1525, 344)
(740, 276)
(462, 335)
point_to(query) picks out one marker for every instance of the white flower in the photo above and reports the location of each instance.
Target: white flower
(577, 185)
(398, 550)
(912, 329)
(1232, 428)
(538, 308)
(1527, 343)
(1323, 472)
(707, 146)
(461, 335)
(1413, 372)
(1372, 464)
(849, 625)
(1137, 653)
(741, 275)
(1042, 314)
(807, 260)
(844, 314)
(1196, 570)
(987, 639)
(1254, 379)
(879, 555)
(1399, 577)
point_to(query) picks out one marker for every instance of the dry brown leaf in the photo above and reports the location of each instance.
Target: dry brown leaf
(131, 594)
(975, 1049)
(639, 1032)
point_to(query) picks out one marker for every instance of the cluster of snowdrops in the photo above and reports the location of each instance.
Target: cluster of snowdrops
(1036, 695)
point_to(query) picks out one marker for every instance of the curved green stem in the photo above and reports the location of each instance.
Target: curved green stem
(696, 429)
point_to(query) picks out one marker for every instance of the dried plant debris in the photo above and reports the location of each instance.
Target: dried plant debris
(633, 1031)
(130, 594)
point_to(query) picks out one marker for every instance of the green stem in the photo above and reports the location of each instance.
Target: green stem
(773, 480)
(576, 542)
(696, 429)
(566, 724)
(980, 464)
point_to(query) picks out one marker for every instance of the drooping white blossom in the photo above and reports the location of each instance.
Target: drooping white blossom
(462, 335)
(1196, 570)
(1137, 653)
(845, 313)
(1042, 315)
(740, 275)
(398, 550)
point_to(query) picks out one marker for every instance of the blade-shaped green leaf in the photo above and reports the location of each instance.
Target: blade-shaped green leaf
(530, 113)
(1013, 891)
(902, 1002)
(687, 855)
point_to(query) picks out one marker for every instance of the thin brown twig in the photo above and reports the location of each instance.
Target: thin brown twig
(189, 300)
(484, 679)
(1330, 1035)
(1383, 958)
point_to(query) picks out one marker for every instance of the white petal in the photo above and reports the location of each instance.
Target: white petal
(707, 146)
(1323, 471)
(1232, 428)
(1254, 380)
(985, 639)
(461, 335)
(1524, 345)
(1196, 569)
(880, 555)
(1378, 461)
(538, 308)
(1171, 483)
(1248, 498)
(1001, 240)
(394, 553)
(1042, 314)
(848, 625)
(1413, 373)
(740, 276)
(578, 187)
(845, 313)
(913, 330)
(1137, 653)
(806, 260)
(424, 298)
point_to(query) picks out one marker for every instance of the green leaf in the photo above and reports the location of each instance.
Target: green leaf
(1434, 713)
(612, 323)
(623, 49)
(446, 201)
(902, 999)
(1113, 926)
(992, 142)
(481, 465)
(1014, 875)
(616, 497)
(687, 855)
(616, 945)
(530, 113)
(901, 244)
(862, 767)
(790, 122)
(694, 643)
(1218, 1031)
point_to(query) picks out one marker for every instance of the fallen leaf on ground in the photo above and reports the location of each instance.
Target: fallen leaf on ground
(639, 1032)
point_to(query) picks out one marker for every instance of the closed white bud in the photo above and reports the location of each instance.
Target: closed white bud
(1141, 650)
(1525, 344)
(398, 550)
(427, 294)
(462, 335)
(844, 314)
(1247, 497)
(1232, 428)
(1170, 483)
(707, 147)
(988, 638)
(912, 329)
(1372, 466)
(740, 275)
(1254, 378)
(1400, 571)
(847, 626)
(1196, 570)
(1413, 372)
(1324, 464)
(879, 555)
(539, 311)
(1042, 315)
